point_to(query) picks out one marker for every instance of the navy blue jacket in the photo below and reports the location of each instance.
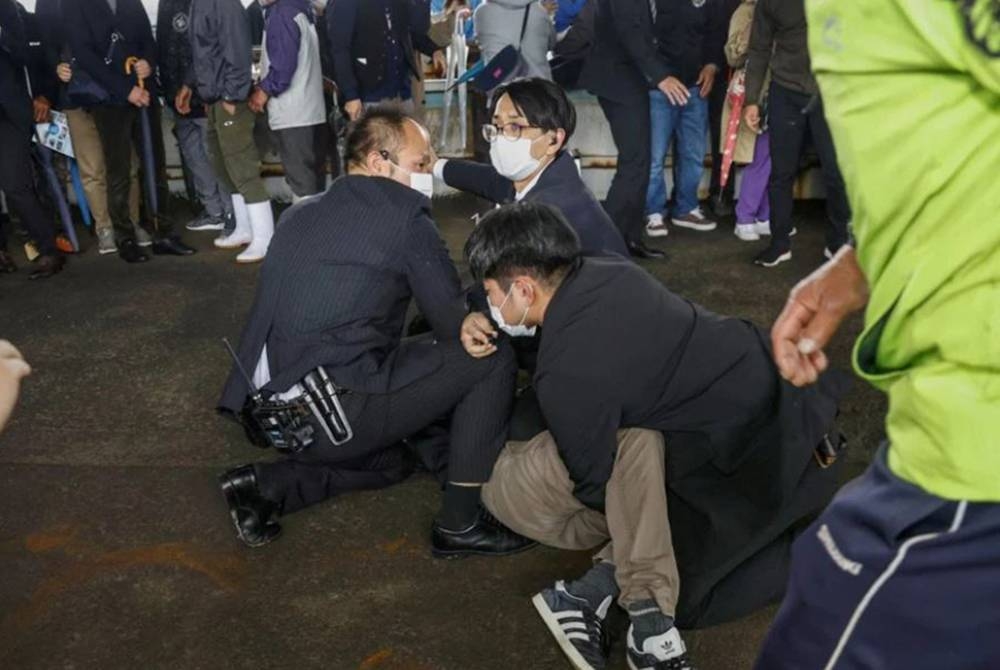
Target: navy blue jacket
(559, 185)
(335, 288)
(14, 101)
(89, 27)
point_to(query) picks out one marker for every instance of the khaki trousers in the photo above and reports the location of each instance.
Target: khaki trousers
(234, 154)
(93, 173)
(531, 492)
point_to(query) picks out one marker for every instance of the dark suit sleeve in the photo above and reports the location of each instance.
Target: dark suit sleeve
(479, 179)
(12, 33)
(147, 45)
(759, 54)
(433, 278)
(340, 18)
(634, 27)
(420, 25)
(584, 422)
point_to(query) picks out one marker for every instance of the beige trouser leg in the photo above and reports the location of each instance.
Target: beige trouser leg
(90, 160)
(531, 492)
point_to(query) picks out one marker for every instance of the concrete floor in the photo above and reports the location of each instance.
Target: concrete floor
(115, 547)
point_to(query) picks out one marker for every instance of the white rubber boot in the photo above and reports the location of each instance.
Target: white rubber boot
(242, 234)
(262, 225)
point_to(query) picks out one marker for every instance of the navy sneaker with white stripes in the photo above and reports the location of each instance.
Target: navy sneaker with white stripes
(658, 652)
(576, 626)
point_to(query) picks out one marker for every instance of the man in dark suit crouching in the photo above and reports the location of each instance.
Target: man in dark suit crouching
(333, 293)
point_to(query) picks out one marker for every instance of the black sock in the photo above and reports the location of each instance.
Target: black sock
(459, 507)
(596, 585)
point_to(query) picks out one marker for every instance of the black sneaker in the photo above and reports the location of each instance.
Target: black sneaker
(576, 626)
(658, 652)
(773, 256)
(130, 252)
(486, 537)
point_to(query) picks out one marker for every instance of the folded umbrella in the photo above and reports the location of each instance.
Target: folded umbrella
(81, 196)
(45, 157)
(148, 160)
(736, 96)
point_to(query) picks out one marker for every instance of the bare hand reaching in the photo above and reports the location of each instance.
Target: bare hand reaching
(815, 309)
(13, 369)
(477, 335)
(677, 93)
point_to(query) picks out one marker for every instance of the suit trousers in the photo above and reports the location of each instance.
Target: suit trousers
(477, 393)
(17, 184)
(792, 116)
(120, 130)
(304, 162)
(93, 173)
(531, 493)
(630, 128)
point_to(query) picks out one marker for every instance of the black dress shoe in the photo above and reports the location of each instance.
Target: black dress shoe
(640, 250)
(130, 252)
(47, 266)
(486, 537)
(171, 246)
(252, 514)
(6, 263)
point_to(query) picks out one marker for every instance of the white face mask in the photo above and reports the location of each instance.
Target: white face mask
(513, 160)
(421, 182)
(519, 330)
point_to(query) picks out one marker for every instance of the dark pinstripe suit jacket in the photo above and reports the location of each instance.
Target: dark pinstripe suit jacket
(335, 287)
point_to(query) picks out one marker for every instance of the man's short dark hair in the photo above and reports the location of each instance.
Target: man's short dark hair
(526, 238)
(543, 103)
(380, 128)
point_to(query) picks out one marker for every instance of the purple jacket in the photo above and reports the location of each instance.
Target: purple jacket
(283, 41)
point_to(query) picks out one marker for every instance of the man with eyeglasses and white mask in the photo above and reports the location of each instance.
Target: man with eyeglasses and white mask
(533, 121)
(333, 293)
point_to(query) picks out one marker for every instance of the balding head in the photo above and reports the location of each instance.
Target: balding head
(386, 139)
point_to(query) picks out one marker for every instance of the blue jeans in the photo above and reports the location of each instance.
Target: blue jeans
(688, 126)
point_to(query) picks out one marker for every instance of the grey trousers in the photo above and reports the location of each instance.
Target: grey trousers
(191, 139)
(304, 161)
(531, 492)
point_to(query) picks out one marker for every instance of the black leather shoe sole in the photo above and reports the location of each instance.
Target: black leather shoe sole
(269, 532)
(172, 248)
(452, 554)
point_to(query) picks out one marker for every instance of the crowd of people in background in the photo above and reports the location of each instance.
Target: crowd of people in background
(669, 75)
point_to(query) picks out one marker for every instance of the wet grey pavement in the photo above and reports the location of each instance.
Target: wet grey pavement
(115, 546)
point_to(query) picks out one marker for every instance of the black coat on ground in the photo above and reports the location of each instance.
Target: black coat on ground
(559, 185)
(335, 287)
(620, 350)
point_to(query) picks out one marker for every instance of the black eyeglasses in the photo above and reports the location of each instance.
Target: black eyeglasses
(509, 131)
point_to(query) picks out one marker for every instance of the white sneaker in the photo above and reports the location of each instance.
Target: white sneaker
(763, 228)
(241, 235)
(694, 220)
(656, 650)
(262, 225)
(747, 232)
(655, 227)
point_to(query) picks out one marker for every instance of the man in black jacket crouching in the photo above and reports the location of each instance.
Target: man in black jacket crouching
(726, 446)
(333, 293)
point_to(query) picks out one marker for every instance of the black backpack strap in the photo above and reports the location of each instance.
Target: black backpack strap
(524, 26)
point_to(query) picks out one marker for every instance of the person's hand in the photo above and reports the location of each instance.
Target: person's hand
(258, 100)
(815, 309)
(42, 108)
(139, 97)
(677, 93)
(353, 109)
(751, 115)
(13, 369)
(182, 101)
(142, 69)
(551, 6)
(440, 62)
(229, 108)
(65, 72)
(706, 79)
(477, 335)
